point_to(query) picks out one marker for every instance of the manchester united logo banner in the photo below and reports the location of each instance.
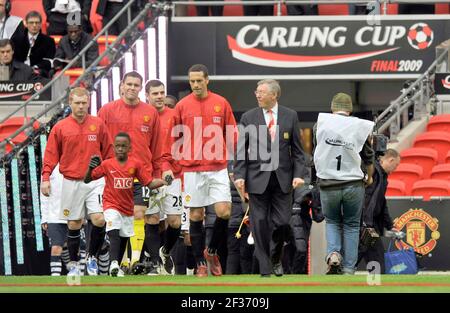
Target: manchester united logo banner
(427, 228)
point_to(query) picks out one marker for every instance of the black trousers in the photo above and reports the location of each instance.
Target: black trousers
(416, 8)
(254, 10)
(203, 10)
(302, 9)
(373, 254)
(270, 213)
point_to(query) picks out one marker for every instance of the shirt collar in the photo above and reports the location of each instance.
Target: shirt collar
(32, 36)
(274, 109)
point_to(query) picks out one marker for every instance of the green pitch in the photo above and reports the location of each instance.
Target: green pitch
(226, 284)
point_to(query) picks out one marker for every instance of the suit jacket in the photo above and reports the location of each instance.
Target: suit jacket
(291, 156)
(22, 72)
(44, 47)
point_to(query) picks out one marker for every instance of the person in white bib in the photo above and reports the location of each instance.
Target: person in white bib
(342, 150)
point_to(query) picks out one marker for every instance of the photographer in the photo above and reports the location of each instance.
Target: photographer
(375, 216)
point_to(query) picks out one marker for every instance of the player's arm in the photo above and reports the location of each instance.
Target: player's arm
(156, 183)
(106, 143)
(167, 158)
(146, 179)
(230, 132)
(156, 143)
(95, 162)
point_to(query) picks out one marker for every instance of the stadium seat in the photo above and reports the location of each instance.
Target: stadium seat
(333, 9)
(437, 140)
(395, 188)
(73, 74)
(22, 7)
(10, 126)
(392, 9)
(102, 47)
(441, 171)
(442, 8)
(57, 39)
(233, 10)
(424, 157)
(407, 173)
(439, 123)
(431, 187)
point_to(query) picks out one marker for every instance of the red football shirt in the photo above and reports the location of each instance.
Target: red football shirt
(118, 193)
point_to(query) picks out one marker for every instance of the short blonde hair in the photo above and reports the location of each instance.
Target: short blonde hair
(78, 91)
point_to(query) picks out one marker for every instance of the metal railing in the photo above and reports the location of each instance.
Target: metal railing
(279, 3)
(395, 117)
(113, 52)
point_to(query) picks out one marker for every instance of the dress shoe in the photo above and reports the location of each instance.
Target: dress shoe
(265, 275)
(277, 269)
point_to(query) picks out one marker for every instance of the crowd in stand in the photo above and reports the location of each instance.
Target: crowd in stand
(30, 54)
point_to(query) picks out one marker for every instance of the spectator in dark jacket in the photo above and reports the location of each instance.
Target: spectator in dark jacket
(33, 47)
(18, 71)
(57, 12)
(71, 45)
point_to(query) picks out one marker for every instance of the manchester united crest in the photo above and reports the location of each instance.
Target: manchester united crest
(217, 108)
(131, 170)
(421, 231)
(146, 118)
(92, 128)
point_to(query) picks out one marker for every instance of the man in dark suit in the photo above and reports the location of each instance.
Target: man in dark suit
(33, 47)
(269, 164)
(16, 71)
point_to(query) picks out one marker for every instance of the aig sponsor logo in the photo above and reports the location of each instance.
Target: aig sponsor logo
(123, 183)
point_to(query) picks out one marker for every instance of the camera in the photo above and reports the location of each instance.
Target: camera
(369, 237)
(379, 143)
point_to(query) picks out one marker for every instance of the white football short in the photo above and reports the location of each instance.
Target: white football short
(205, 188)
(116, 220)
(79, 200)
(167, 201)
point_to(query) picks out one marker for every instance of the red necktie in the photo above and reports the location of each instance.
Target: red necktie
(271, 126)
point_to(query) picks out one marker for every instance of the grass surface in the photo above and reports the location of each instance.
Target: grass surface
(227, 284)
